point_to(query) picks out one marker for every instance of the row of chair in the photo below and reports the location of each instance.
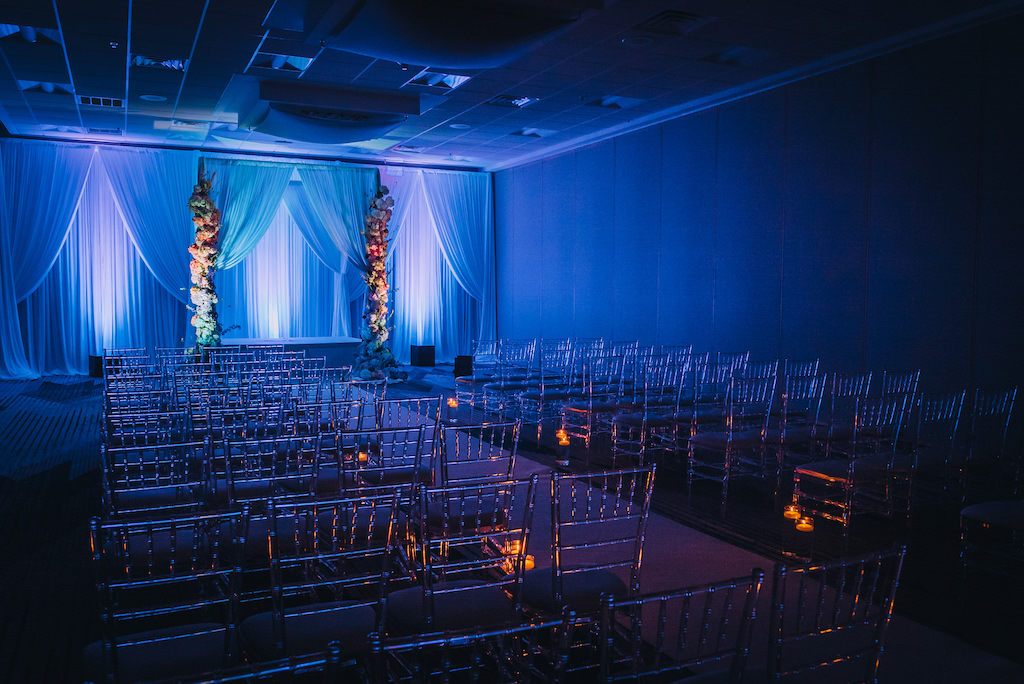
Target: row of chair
(335, 601)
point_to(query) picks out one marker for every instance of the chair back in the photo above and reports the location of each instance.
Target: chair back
(254, 469)
(801, 367)
(534, 651)
(318, 552)
(479, 453)
(473, 538)
(990, 420)
(382, 459)
(700, 626)
(157, 479)
(599, 522)
(164, 583)
(833, 615)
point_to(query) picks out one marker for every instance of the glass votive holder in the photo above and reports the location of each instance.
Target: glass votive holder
(805, 524)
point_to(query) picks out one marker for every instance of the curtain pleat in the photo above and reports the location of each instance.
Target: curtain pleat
(152, 188)
(42, 185)
(248, 194)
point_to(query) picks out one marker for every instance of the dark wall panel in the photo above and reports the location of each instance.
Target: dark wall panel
(825, 232)
(504, 251)
(924, 177)
(595, 241)
(556, 243)
(999, 294)
(748, 250)
(637, 237)
(688, 172)
(527, 277)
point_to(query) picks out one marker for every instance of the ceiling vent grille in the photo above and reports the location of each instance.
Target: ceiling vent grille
(159, 63)
(674, 23)
(105, 102)
(438, 81)
(510, 101)
(105, 131)
(534, 132)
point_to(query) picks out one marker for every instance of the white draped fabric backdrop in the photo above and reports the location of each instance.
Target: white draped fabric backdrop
(93, 252)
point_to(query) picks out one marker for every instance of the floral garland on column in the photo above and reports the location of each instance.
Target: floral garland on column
(374, 360)
(206, 218)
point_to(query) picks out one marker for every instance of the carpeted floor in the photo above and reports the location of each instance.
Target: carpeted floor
(947, 630)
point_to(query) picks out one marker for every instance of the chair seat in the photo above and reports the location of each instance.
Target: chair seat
(1009, 514)
(474, 604)
(593, 407)
(581, 591)
(837, 469)
(309, 629)
(154, 498)
(164, 654)
(719, 441)
(636, 420)
(396, 475)
(255, 488)
(546, 395)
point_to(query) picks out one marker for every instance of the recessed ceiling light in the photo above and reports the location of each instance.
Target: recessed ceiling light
(153, 98)
(459, 126)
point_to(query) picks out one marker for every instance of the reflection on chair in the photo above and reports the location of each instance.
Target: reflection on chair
(833, 615)
(987, 468)
(471, 552)
(534, 651)
(701, 628)
(479, 453)
(167, 599)
(858, 479)
(154, 480)
(740, 446)
(329, 567)
(598, 525)
(992, 538)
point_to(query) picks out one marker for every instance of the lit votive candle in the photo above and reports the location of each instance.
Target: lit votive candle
(528, 563)
(792, 511)
(363, 457)
(805, 524)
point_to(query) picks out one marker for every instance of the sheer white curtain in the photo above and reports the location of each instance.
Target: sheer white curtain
(282, 289)
(248, 194)
(99, 294)
(340, 197)
(42, 183)
(152, 188)
(461, 207)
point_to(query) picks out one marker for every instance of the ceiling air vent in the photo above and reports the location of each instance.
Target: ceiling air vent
(107, 102)
(438, 81)
(534, 132)
(159, 63)
(674, 23)
(283, 63)
(510, 101)
(105, 131)
(408, 149)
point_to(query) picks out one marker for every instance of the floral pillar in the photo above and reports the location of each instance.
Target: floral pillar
(374, 361)
(206, 218)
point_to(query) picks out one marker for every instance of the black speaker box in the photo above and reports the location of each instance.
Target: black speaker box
(463, 366)
(421, 355)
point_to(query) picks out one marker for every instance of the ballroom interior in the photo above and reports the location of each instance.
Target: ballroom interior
(677, 180)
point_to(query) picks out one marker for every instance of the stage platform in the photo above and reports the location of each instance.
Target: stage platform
(339, 351)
